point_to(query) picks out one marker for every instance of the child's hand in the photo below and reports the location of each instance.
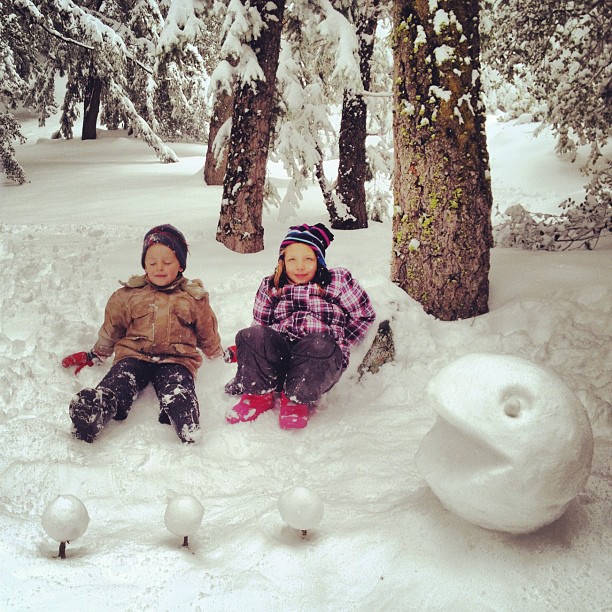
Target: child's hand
(218, 353)
(80, 359)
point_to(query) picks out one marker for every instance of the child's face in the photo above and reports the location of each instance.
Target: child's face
(161, 265)
(300, 263)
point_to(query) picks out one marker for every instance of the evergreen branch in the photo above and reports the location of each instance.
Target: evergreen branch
(71, 41)
(140, 126)
(64, 38)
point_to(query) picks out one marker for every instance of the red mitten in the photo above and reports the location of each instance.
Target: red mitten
(230, 354)
(80, 359)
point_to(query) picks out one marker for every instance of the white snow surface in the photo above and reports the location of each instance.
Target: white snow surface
(385, 542)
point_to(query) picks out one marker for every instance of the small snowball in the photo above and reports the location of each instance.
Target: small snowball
(65, 519)
(300, 508)
(183, 515)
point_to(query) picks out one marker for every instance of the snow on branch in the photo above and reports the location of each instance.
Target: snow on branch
(222, 78)
(93, 30)
(140, 126)
(580, 225)
(12, 85)
(242, 25)
(9, 131)
(222, 139)
(182, 25)
(338, 30)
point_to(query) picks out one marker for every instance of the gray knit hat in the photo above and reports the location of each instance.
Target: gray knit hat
(169, 236)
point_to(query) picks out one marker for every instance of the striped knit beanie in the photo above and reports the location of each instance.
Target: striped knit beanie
(317, 236)
(169, 236)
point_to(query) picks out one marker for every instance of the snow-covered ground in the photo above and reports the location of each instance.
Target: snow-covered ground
(385, 542)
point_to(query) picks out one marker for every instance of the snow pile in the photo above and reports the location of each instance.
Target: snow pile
(385, 541)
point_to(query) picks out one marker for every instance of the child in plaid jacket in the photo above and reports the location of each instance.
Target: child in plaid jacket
(306, 319)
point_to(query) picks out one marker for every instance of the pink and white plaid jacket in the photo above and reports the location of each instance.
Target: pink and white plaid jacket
(342, 309)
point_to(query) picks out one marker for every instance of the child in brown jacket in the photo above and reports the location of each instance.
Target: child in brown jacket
(156, 325)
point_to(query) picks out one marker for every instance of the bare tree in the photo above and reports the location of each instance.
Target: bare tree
(442, 220)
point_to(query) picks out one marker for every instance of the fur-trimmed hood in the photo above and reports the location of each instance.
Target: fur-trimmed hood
(195, 287)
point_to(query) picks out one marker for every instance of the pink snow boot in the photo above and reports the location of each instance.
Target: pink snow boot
(250, 407)
(292, 415)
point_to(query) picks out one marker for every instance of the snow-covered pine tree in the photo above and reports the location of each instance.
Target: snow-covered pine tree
(323, 53)
(304, 134)
(319, 58)
(9, 132)
(140, 27)
(13, 52)
(442, 221)
(187, 49)
(562, 54)
(221, 94)
(79, 42)
(253, 37)
(107, 53)
(379, 143)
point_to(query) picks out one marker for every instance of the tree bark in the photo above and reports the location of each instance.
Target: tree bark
(352, 163)
(442, 191)
(240, 221)
(214, 168)
(91, 108)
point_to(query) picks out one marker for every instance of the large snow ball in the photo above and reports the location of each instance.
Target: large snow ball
(65, 519)
(511, 446)
(300, 508)
(183, 515)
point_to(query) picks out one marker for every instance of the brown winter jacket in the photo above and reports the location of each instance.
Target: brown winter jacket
(160, 325)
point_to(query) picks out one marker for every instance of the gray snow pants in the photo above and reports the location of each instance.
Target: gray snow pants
(92, 409)
(268, 361)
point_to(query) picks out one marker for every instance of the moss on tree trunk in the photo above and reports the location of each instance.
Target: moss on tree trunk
(442, 218)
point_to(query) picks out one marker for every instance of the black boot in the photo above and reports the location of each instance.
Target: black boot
(90, 410)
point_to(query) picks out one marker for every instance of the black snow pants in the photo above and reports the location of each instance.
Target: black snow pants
(268, 361)
(92, 409)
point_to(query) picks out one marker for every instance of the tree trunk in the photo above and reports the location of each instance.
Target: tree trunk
(214, 167)
(442, 191)
(91, 109)
(240, 228)
(352, 163)
(352, 166)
